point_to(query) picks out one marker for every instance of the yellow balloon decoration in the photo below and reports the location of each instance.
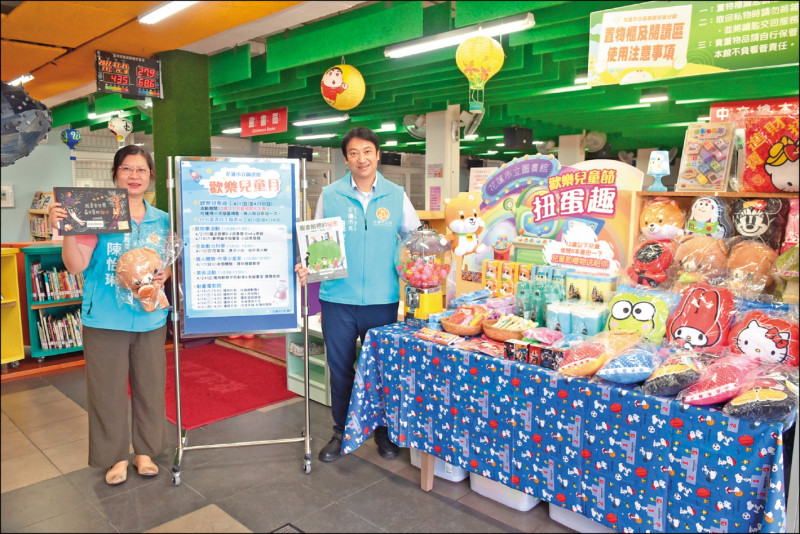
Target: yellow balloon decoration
(342, 87)
(479, 58)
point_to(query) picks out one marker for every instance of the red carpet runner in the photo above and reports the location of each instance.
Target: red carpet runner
(218, 382)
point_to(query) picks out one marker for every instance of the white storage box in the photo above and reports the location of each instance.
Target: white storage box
(576, 521)
(441, 469)
(502, 494)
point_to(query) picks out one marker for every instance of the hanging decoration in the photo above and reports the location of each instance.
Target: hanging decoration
(121, 128)
(342, 87)
(479, 58)
(25, 122)
(71, 138)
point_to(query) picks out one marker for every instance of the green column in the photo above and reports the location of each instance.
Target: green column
(182, 120)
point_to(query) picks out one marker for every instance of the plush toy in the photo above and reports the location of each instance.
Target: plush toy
(585, 359)
(765, 339)
(703, 318)
(761, 219)
(661, 219)
(771, 395)
(710, 216)
(719, 382)
(650, 263)
(462, 216)
(677, 372)
(750, 266)
(136, 269)
(632, 365)
(699, 258)
(642, 313)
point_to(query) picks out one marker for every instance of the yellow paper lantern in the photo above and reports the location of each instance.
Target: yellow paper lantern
(342, 87)
(479, 58)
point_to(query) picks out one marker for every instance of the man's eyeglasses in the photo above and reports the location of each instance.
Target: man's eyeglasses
(130, 170)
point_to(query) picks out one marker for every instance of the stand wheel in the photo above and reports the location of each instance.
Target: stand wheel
(303, 433)
(306, 466)
(176, 477)
(40, 360)
(14, 364)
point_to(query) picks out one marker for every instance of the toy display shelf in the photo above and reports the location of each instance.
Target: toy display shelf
(13, 349)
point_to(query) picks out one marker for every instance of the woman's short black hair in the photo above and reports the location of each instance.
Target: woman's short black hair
(131, 150)
(362, 133)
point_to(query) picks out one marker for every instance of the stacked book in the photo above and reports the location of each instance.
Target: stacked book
(54, 284)
(60, 333)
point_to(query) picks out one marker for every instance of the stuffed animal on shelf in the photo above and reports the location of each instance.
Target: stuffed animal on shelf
(710, 216)
(765, 339)
(463, 217)
(699, 258)
(661, 219)
(136, 269)
(761, 219)
(750, 266)
(650, 263)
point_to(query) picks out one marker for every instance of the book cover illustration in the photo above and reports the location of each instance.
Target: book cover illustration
(321, 244)
(94, 210)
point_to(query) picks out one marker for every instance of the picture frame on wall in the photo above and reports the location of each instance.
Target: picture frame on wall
(7, 198)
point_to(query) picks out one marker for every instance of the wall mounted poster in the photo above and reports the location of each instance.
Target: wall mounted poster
(94, 210)
(237, 217)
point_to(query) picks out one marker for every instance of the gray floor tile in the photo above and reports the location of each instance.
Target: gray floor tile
(22, 385)
(81, 519)
(335, 518)
(71, 383)
(55, 496)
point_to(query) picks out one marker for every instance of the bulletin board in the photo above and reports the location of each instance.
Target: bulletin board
(236, 218)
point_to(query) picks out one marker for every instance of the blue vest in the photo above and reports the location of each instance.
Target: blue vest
(101, 308)
(370, 240)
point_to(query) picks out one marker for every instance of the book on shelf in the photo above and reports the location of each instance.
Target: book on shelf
(41, 200)
(59, 333)
(54, 284)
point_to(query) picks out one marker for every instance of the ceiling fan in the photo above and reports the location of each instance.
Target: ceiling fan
(546, 148)
(470, 121)
(626, 157)
(415, 125)
(593, 141)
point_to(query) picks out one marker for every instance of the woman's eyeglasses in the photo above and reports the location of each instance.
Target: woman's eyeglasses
(130, 170)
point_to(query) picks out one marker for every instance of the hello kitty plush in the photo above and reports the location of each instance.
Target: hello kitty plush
(782, 165)
(462, 216)
(765, 339)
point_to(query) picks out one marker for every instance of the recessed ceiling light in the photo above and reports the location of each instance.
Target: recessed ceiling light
(232, 131)
(321, 120)
(163, 11)
(25, 78)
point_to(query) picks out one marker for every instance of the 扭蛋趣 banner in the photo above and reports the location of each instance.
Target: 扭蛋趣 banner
(659, 40)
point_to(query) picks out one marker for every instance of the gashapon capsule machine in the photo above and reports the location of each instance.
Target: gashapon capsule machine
(423, 263)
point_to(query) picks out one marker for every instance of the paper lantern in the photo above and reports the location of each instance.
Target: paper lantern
(479, 58)
(342, 87)
(25, 122)
(121, 128)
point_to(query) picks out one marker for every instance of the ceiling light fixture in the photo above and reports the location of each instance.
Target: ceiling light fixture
(25, 78)
(388, 127)
(514, 23)
(470, 137)
(232, 131)
(628, 106)
(495, 136)
(654, 97)
(696, 101)
(321, 120)
(704, 118)
(163, 11)
(94, 115)
(315, 136)
(500, 144)
(390, 143)
(581, 77)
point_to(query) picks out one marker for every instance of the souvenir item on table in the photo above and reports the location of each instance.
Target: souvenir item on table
(661, 219)
(676, 372)
(136, 270)
(585, 359)
(542, 335)
(588, 319)
(787, 275)
(792, 236)
(761, 219)
(641, 312)
(650, 263)
(422, 263)
(706, 159)
(491, 276)
(719, 382)
(771, 395)
(483, 345)
(710, 216)
(466, 320)
(507, 327)
(702, 319)
(523, 300)
(699, 258)
(437, 336)
(750, 265)
(765, 339)
(462, 216)
(771, 154)
(632, 365)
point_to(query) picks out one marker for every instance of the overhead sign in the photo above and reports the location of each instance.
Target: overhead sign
(264, 122)
(659, 40)
(739, 110)
(129, 76)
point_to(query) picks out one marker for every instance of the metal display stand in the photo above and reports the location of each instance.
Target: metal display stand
(305, 436)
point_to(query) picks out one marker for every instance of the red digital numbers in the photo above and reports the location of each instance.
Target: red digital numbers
(119, 79)
(147, 84)
(144, 72)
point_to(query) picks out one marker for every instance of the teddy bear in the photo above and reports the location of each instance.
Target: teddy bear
(699, 258)
(661, 219)
(136, 269)
(462, 216)
(749, 268)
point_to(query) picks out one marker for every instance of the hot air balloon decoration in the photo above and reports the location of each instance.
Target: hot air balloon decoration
(479, 58)
(121, 128)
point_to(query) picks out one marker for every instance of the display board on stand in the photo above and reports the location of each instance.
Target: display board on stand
(236, 218)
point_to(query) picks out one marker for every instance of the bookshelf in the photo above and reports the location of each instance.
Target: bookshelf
(54, 302)
(37, 216)
(13, 349)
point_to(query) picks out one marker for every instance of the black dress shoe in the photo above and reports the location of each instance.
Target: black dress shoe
(386, 448)
(333, 450)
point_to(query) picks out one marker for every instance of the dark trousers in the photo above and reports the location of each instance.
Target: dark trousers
(342, 324)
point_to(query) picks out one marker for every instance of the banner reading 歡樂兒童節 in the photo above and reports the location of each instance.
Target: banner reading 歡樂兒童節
(658, 40)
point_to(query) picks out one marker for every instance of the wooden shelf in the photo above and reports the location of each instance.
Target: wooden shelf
(724, 194)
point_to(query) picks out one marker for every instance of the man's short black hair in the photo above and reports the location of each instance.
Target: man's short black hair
(362, 133)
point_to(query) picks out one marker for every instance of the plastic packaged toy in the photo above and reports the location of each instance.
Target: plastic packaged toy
(679, 370)
(699, 258)
(632, 365)
(761, 219)
(750, 265)
(650, 263)
(771, 154)
(702, 319)
(765, 339)
(719, 382)
(792, 236)
(585, 359)
(469, 315)
(643, 313)
(661, 219)
(706, 159)
(770, 395)
(136, 269)
(710, 216)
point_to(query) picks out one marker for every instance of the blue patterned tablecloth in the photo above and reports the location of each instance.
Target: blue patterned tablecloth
(627, 460)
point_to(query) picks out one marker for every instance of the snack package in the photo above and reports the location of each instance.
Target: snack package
(771, 395)
(484, 345)
(702, 319)
(699, 258)
(437, 336)
(632, 365)
(792, 235)
(661, 219)
(542, 335)
(720, 381)
(750, 265)
(642, 312)
(765, 338)
(136, 269)
(469, 315)
(585, 359)
(706, 160)
(761, 219)
(680, 369)
(649, 264)
(771, 154)
(710, 216)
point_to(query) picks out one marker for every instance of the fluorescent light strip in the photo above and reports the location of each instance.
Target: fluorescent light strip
(321, 120)
(654, 98)
(494, 28)
(696, 101)
(563, 90)
(579, 80)
(388, 127)
(489, 137)
(232, 131)
(93, 115)
(415, 143)
(470, 137)
(629, 106)
(25, 78)
(390, 143)
(500, 144)
(315, 136)
(704, 118)
(166, 10)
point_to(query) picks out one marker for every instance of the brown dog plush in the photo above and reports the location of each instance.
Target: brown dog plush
(699, 258)
(749, 267)
(136, 269)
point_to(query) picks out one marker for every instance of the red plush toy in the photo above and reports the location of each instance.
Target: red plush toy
(765, 339)
(650, 262)
(702, 319)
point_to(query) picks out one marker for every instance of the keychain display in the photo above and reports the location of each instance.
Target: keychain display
(707, 154)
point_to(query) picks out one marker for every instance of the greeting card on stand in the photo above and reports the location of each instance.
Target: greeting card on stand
(707, 155)
(771, 154)
(321, 244)
(94, 210)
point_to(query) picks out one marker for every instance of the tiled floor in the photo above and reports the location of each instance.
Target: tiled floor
(47, 485)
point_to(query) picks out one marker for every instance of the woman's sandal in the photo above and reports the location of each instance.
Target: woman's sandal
(117, 475)
(145, 466)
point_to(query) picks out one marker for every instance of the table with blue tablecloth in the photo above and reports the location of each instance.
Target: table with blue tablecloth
(619, 457)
